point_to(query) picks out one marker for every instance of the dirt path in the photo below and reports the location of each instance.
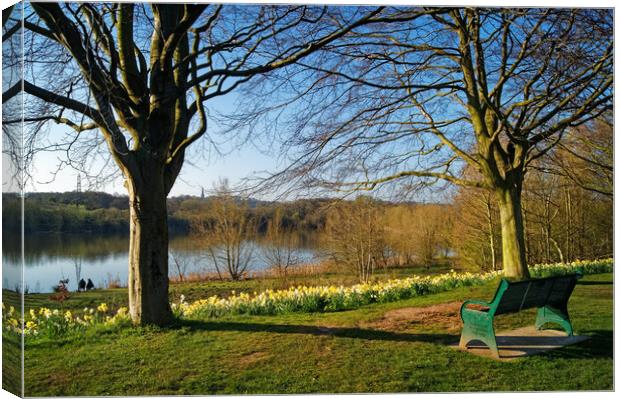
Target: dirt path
(445, 315)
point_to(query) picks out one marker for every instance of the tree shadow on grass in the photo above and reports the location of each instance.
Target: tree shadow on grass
(343, 332)
(595, 282)
(599, 346)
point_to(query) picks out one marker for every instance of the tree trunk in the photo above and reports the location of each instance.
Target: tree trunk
(491, 226)
(558, 249)
(513, 242)
(148, 250)
(569, 225)
(526, 237)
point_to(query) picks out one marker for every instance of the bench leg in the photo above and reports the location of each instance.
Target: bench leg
(547, 314)
(492, 344)
(466, 336)
(487, 336)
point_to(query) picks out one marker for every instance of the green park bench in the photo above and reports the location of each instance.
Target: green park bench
(550, 295)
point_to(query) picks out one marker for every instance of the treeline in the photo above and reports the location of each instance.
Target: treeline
(359, 235)
(364, 235)
(97, 212)
(66, 213)
(567, 205)
(562, 221)
(302, 214)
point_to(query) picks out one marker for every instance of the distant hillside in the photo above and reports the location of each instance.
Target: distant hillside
(100, 212)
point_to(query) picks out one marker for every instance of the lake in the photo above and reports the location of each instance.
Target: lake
(51, 257)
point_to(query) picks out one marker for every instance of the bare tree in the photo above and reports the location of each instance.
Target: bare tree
(586, 157)
(543, 195)
(11, 97)
(565, 221)
(11, 51)
(415, 98)
(562, 221)
(399, 226)
(226, 233)
(431, 223)
(355, 236)
(136, 80)
(476, 233)
(280, 247)
(181, 263)
(418, 231)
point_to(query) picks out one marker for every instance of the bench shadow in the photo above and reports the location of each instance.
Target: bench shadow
(598, 345)
(344, 332)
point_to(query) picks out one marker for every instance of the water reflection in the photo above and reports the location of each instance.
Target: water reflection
(51, 257)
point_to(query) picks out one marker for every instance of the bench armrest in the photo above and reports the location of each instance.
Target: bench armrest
(473, 302)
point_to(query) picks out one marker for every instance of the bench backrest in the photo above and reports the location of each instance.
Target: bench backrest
(535, 293)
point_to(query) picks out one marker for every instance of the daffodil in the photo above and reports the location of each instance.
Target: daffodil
(300, 298)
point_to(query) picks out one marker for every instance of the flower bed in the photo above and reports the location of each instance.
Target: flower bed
(583, 266)
(298, 299)
(322, 299)
(52, 323)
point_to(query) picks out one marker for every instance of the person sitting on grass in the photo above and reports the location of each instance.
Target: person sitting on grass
(82, 285)
(90, 285)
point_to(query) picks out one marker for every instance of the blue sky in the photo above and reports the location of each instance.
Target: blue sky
(202, 168)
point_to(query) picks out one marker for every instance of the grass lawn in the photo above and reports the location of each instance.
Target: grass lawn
(378, 348)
